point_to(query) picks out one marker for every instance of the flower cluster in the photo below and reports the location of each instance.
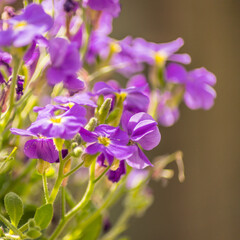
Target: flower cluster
(58, 71)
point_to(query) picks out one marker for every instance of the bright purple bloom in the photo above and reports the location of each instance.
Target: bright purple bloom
(136, 100)
(79, 98)
(24, 28)
(153, 53)
(142, 129)
(198, 85)
(110, 141)
(63, 126)
(167, 115)
(40, 148)
(115, 176)
(64, 64)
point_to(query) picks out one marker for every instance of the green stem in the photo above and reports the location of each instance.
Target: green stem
(63, 191)
(24, 227)
(112, 197)
(45, 186)
(102, 174)
(59, 178)
(10, 226)
(73, 170)
(84, 201)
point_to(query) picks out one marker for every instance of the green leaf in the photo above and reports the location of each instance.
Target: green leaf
(43, 215)
(33, 233)
(14, 207)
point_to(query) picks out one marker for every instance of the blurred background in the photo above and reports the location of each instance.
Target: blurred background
(207, 205)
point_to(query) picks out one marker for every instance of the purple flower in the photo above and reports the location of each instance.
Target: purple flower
(109, 6)
(63, 126)
(24, 28)
(136, 100)
(110, 141)
(79, 98)
(167, 115)
(115, 176)
(64, 64)
(40, 148)
(153, 53)
(142, 129)
(198, 85)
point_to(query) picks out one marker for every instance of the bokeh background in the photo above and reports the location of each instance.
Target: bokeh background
(207, 205)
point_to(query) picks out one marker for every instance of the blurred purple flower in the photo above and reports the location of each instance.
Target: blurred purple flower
(136, 177)
(198, 85)
(167, 115)
(79, 98)
(24, 28)
(108, 6)
(5, 59)
(64, 64)
(153, 53)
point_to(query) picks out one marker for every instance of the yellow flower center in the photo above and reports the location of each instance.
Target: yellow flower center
(56, 120)
(160, 58)
(115, 47)
(20, 25)
(104, 140)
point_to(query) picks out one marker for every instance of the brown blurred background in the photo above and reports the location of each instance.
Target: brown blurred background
(207, 205)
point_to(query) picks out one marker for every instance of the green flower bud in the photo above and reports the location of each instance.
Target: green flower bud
(104, 110)
(91, 124)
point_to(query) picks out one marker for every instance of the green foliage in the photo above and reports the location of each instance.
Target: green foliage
(43, 216)
(14, 207)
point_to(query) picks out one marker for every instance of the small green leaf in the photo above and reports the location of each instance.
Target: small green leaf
(33, 233)
(14, 206)
(43, 215)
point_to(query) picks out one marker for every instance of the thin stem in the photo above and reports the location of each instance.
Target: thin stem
(102, 174)
(10, 226)
(45, 186)
(59, 178)
(24, 227)
(84, 201)
(73, 170)
(63, 191)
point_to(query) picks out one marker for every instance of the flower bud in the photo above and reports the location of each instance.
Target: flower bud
(77, 151)
(104, 110)
(91, 124)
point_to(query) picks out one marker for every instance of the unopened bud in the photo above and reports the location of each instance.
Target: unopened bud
(91, 124)
(104, 110)
(77, 151)
(31, 223)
